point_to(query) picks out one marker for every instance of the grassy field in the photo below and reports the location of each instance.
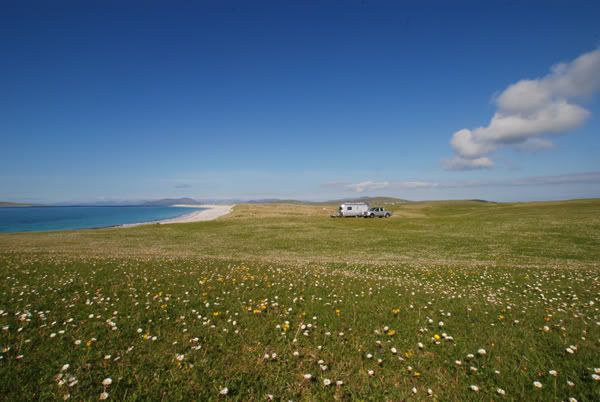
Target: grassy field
(444, 301)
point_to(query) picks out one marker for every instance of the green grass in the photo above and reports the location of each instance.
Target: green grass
(220, 293)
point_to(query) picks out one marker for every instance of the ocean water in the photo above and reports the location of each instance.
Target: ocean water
(42, 219)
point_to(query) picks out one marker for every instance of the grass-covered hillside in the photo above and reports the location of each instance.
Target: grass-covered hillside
(443, 301)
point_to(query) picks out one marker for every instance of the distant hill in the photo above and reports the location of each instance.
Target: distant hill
(368, 200)
(14, 204)
(166, 202)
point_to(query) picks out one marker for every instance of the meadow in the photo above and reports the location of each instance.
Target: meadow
(444, 301)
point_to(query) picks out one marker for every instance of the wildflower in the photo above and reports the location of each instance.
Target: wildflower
(414, 390)
(500, 391)
(307, 377)
(224, 391)
(474, 388)
(429, 391)
(107, 381)
(103, 396)
(369, 356)
(327, 382)
(537, 384)
(371, 373)
(481, 352)
(596, 377)
(339, 383)
(394, 350)
(570, 351)
(65, 367)
(553, 373)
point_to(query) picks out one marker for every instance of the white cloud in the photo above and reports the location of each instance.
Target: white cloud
(534, 145)
(385, 185)
(528, 110)
(414, 184)
(368, 186)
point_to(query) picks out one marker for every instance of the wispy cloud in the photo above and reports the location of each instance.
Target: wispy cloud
(368, 186)
(576, 178)
(589, 177)
(529, 110)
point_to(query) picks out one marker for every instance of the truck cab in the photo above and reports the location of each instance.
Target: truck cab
(378, 212)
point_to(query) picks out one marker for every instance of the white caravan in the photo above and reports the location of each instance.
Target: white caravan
(353, 209)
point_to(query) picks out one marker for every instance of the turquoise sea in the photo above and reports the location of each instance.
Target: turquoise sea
(42, 219)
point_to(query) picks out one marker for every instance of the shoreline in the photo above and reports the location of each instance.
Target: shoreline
(209, 212)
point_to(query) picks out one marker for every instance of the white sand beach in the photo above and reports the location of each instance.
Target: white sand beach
(209, 212)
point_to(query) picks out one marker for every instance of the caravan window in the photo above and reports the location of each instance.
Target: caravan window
(349, 208)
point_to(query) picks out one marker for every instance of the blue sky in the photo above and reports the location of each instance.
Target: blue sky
(312, 100)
